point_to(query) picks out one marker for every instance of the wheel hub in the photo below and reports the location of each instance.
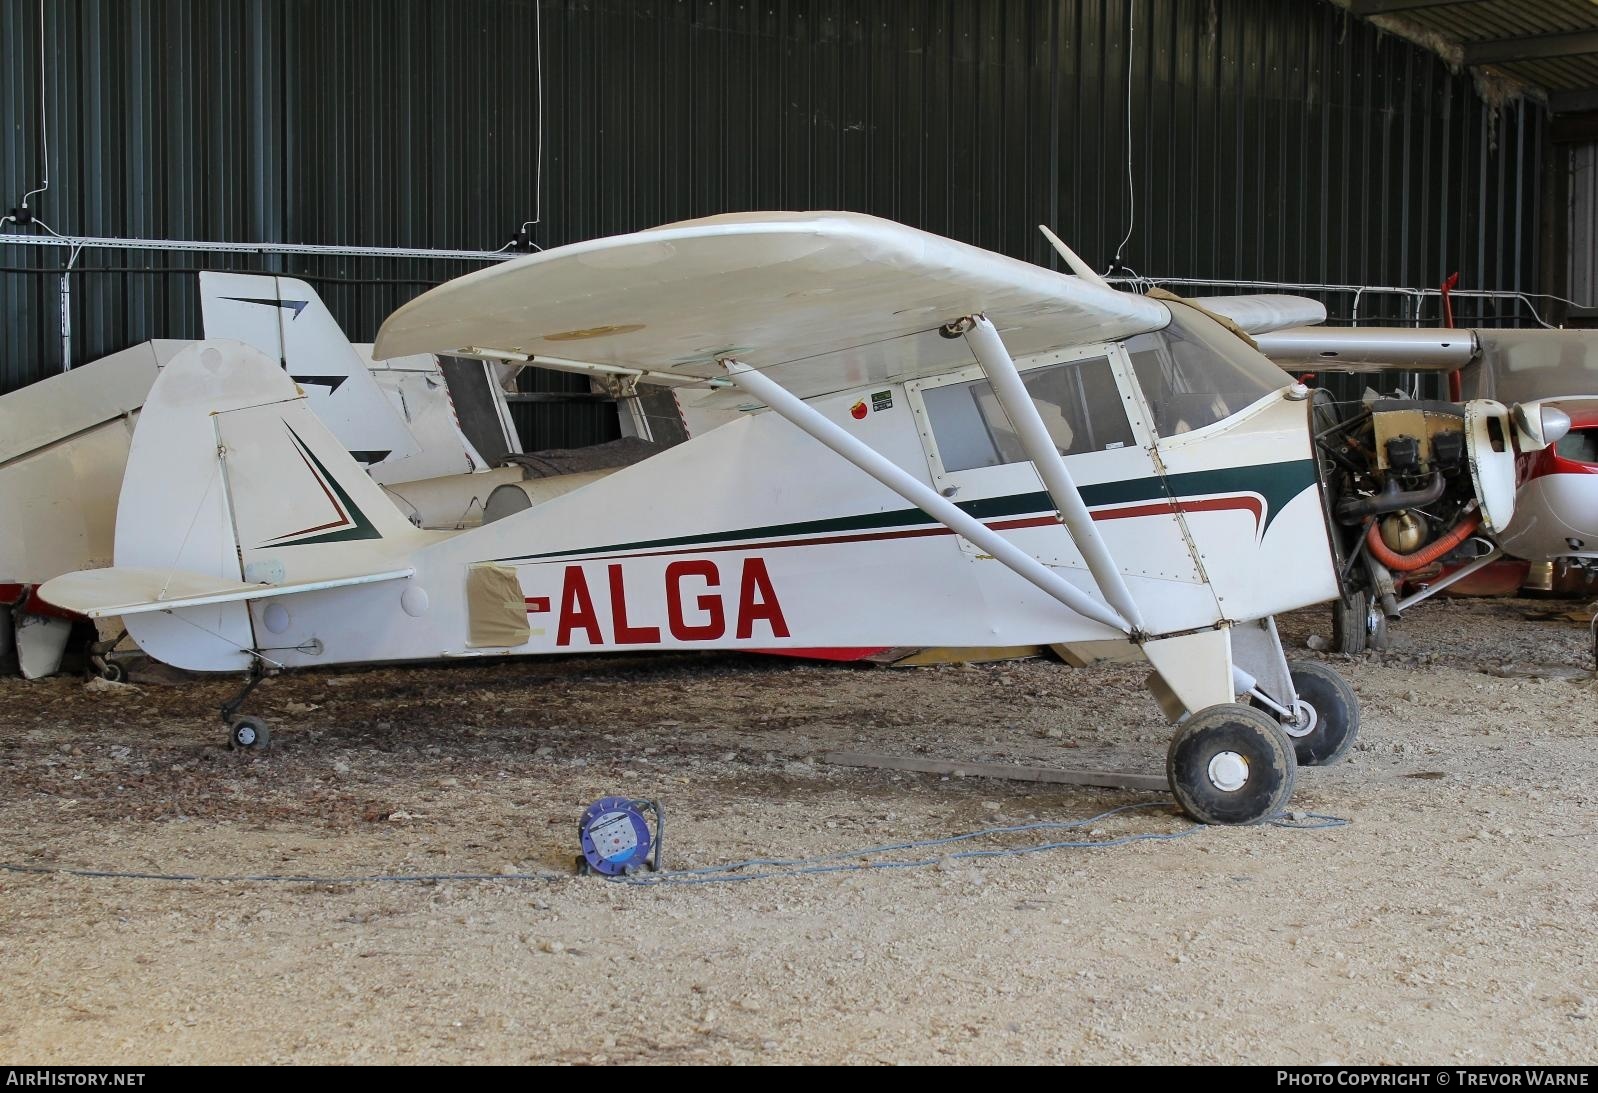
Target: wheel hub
(245, 735)
(1228, 771)
(1305, 719)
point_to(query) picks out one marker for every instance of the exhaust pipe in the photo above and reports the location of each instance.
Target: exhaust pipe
(1351, 510)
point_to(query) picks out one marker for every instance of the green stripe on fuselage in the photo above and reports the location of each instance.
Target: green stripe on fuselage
(1278, 483)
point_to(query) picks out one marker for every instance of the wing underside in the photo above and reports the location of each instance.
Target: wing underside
(821, 301)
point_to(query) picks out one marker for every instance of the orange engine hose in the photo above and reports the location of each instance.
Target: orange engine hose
(1426, 555)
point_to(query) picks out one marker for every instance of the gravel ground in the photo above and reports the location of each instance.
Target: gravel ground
(1453, 920)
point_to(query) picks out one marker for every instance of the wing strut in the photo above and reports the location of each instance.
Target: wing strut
(920, 495)
(989, 350)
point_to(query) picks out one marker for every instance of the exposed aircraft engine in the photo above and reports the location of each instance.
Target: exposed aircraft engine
(1402, 498)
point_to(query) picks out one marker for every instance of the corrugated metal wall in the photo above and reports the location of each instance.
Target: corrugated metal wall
(1583, 254)
(1272, 139)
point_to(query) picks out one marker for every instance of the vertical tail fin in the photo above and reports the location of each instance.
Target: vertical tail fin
(232, 478)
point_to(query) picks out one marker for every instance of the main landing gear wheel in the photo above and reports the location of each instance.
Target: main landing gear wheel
(1231, 764)
(1328, 714)
(1358, 623)
(249, 733)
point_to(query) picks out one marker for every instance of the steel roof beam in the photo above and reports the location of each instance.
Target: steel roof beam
(1574, 102)
(1505, 50)
(1389, 7)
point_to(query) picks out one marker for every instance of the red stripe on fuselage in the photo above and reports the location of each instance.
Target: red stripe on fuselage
(1209, 504)
(841, 654)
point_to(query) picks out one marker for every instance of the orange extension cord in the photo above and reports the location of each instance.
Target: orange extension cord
(1404, 563)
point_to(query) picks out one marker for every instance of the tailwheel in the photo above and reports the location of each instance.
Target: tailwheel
(1327, 714)
(1231, 764)
(249, 733)
(246, 732)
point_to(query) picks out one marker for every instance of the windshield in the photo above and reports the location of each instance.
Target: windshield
(1196, 372)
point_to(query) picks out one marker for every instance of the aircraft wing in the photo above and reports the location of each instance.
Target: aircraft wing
(1265, 313)
(1371, 348)
(821, 301)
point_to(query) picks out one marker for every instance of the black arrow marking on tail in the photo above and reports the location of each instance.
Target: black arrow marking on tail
(371, 457)
(295, 306)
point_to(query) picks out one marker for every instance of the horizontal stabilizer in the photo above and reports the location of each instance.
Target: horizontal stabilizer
(120, 590)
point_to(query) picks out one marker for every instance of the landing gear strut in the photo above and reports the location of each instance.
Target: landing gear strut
(103, 659)
(1327, 714)
(246, 732)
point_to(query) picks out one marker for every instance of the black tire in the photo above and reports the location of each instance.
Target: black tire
(1231, 764)
(1358, 624)
(1333, 714)
(249, 734)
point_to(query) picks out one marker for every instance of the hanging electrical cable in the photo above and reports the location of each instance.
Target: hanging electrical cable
(21, 214)
(1131, 187)
(523, 240)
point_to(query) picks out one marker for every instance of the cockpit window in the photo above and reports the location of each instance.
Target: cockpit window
(1579, 444)
(1195, 372)
(1078, 401)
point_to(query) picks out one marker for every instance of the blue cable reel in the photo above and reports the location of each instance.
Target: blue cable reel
(616, 839)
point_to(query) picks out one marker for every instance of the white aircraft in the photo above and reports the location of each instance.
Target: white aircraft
(945, 447)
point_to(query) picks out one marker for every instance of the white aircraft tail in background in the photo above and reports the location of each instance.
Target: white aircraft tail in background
(286, 319)
(411, 419)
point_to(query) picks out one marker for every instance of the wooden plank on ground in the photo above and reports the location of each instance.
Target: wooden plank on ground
(1011, 771)
(936, 655)
(1081, 654)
